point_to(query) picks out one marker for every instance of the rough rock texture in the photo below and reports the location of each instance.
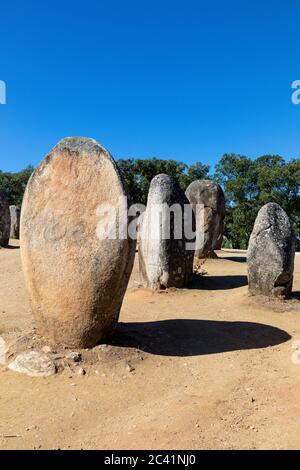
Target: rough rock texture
(139, 229)
(34, 364)
(3, 350)
(208, 202)
(75, 278)
(271, 253)
(164, 261)
(15, 222)
(4, 221)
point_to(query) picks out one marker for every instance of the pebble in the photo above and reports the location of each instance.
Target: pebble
(74, 356)
(81, 371)
(34, 364)
(129, 368)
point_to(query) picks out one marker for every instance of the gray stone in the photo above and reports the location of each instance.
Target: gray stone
(4, 221)
(74, 356)
(208, 202)
(34, 364)
(164, 261)
(139, 229)
(15, 222)
(271, 253)
(75, 274)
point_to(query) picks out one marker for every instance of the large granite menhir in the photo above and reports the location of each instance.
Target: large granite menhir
(208, 202)
(4, 221)
(15, 222)
(165, 257)
(271, 253)
(76, 279)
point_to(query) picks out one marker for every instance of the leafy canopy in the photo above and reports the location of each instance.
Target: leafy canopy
(248, 185)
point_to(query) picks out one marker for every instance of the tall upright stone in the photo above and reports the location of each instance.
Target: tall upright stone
(165, 252)
(4, 221)
(75, 274)
(208, 202)
(15, 222)
(271, 253)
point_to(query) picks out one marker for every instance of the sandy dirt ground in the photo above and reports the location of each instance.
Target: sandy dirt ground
(201, 368)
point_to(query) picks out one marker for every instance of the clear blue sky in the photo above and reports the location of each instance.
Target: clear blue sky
(188, 80)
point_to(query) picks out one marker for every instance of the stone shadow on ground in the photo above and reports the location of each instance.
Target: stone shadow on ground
(183, 337)
(295, 295)
(218, 282)
(237, 259)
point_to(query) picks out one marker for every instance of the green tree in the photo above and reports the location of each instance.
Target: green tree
(13, 185)
(249, 184)
(138, 174)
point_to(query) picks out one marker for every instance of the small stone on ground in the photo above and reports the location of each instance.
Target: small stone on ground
(34, 364)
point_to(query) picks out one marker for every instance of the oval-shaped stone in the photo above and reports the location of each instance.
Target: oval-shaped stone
(271, 253)
(4, 221)
(165, 252)
(15, 222)
(208, 202)
(76, 276)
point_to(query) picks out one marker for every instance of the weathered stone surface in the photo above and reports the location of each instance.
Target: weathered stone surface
(4, 220)
(208, 202)
(3, 350)
(75, 278)
(164, 261)
(15, 222)
(271, 253)
(139, 229)
(34, 364)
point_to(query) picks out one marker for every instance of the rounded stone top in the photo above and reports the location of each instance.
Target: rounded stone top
(161, 179)
(79, 144)
(207, 192)
(164, 188)
(272, 215)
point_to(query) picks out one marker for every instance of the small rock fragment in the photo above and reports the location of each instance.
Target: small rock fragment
(81, 371)
(34, 364)
(74, 356)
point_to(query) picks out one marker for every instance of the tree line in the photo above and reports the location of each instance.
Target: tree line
(248, 184)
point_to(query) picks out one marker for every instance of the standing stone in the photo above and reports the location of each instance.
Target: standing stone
(165, 257)
(4, 221)
(75, 274)
(15, 222)
(208, 202)
(139, 229)
(271, 253)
